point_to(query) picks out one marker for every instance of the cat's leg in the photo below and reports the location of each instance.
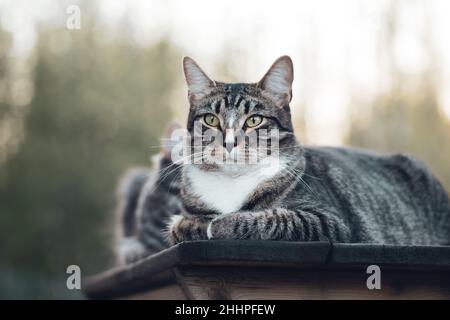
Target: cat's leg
(182, 228)
(279, 224)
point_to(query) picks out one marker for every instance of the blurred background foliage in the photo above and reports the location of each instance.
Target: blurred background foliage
(84, 106)
(96, 109)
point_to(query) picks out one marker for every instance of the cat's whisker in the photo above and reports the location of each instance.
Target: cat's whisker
(183, 159)
(174, 164)
(297, 176)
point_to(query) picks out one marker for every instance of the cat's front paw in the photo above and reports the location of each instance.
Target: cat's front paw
(233, 226)
(186, 229)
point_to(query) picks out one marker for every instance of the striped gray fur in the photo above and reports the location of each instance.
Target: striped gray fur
(147, 201)
(318, 194)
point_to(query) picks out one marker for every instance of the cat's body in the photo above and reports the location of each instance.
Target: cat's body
(390, 199)
(299, 194)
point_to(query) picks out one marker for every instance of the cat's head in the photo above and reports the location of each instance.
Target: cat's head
(238, 123)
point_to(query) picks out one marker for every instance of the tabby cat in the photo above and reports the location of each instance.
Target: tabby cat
(299, 193)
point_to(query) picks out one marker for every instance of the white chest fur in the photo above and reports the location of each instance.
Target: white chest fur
(227, 193)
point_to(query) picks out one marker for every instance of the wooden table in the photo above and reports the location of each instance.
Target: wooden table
(278, 270)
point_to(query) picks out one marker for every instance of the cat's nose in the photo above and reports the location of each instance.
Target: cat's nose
(229, 147)
(230, 140)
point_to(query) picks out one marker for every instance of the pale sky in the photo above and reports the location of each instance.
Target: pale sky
(335, 45)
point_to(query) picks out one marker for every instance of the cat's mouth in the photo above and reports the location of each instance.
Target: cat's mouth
(234, 157)
(237, 168)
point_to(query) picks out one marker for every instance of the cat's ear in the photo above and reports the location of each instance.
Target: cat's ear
(277, 82)
(198, 82)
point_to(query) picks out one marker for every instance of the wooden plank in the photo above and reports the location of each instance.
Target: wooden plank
(170, 291)
(193, 263)
(239, 283)
(151, 271)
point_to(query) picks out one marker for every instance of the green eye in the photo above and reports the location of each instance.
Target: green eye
(211, 120)
(253, 121)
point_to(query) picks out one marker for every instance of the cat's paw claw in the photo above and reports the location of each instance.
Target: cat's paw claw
(209, 232)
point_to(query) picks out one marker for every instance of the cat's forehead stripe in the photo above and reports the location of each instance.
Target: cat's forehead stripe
(238, 100)
(235, 97)
(240, 103)
(227, 102)
(247, 106)
(217, 105)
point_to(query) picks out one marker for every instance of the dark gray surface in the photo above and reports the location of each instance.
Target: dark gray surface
(387, 255)
(253, 252)
(157, 269)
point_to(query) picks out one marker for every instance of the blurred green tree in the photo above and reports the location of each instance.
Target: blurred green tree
(408, 123)
(6, 109)
(408, 118)
(98, 107)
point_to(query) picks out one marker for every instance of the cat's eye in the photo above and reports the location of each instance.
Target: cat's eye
(253, 121)
(211, 120)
